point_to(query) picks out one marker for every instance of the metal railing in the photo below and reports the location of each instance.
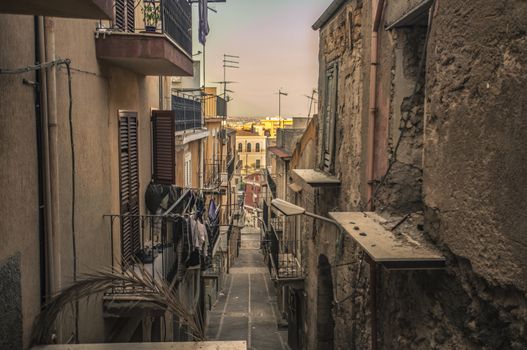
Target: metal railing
(270, 183)
(217, 171)
(188, 113)
(160, 242)
(283, 259)
(172, 18)
(277, 223)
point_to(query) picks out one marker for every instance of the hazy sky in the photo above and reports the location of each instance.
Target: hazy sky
(277, 49)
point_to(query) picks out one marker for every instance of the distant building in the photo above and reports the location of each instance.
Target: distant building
(251, 148)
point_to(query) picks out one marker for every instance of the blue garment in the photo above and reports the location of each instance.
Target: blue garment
(212, 210)
(203, 10)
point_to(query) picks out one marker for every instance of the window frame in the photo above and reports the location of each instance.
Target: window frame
(329, 118)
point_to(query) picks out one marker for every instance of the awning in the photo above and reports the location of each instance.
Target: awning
(316, 178)
(383, 247)
(280, 152)
(295, 187)
(416, 16)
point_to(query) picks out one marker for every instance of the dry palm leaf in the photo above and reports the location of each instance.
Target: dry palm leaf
(89, 285)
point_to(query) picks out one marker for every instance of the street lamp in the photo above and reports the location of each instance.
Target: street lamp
(289, 209)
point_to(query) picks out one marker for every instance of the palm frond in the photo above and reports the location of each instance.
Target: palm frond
(93, 284)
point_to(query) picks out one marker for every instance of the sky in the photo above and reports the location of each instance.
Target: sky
(277, 49)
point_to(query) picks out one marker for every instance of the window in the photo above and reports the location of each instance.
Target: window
(257, 164)
(249, 147)
(125, 15)
(164, 147)
(129, 186)
(257, 148)
(188, 170)
(240, 147)
(329, 118)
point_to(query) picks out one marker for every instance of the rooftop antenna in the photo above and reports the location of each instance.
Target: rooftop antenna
(312, 101)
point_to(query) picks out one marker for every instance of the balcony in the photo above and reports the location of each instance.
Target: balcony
(88, 9)
(217, 172)
(149, 244)
(283, 256)
(153, 38)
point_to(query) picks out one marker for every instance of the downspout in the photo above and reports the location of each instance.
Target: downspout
(376, 17)
(42, 206)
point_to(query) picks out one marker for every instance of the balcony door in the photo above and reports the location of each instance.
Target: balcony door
(129, 186)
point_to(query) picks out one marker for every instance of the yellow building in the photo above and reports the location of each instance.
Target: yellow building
(269, 125)
(251, 148)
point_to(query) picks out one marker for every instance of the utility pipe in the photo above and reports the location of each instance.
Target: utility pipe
(50, 261)
(376, 18)
(53, 150)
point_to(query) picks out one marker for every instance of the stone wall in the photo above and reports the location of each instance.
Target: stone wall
(457, 173)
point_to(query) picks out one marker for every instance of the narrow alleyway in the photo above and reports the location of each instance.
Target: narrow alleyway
(247, 308)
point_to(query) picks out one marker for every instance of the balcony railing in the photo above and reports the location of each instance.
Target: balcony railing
(270, 183)
(283, 256)
(161, 245)
(215, 171)
(188, 113)
(172, 18)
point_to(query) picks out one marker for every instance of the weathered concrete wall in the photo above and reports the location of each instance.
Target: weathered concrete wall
(468, 120)
(19, 235)
(99, 91)
(341, 41)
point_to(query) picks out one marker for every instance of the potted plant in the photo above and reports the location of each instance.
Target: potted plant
(151, 16)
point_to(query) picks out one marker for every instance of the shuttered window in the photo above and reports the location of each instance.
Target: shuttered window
(129, 186)
(329, 121)
(125, 15)
(164, 147)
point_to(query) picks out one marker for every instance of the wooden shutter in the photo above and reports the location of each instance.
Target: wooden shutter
(129, 186)
(125, 15)
(330, 113)
(164, 147)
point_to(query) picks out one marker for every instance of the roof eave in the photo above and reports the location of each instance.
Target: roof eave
(326, 16)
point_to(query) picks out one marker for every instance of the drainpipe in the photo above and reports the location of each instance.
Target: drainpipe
(41, 174)
(50, 156)
(377, 14)
(376, 17)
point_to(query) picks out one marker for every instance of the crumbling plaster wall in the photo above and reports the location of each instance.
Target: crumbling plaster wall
(341, 41)
(472, 167)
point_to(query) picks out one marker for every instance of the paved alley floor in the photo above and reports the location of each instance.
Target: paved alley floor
(246, 310)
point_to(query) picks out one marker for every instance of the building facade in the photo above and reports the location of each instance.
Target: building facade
(397, 152)
(91, 137)
(250, 148)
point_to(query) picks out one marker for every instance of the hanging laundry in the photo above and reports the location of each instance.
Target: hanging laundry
(212, 210)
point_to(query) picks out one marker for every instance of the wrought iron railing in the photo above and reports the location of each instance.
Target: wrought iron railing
(277, 223)
(215, 172)
(172, 18)
(188, 113)
(283, 258)
(161, 245)
(270, 183)
(230, 166)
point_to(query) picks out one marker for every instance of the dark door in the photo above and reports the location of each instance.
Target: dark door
(295, 320)
(129, 186)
